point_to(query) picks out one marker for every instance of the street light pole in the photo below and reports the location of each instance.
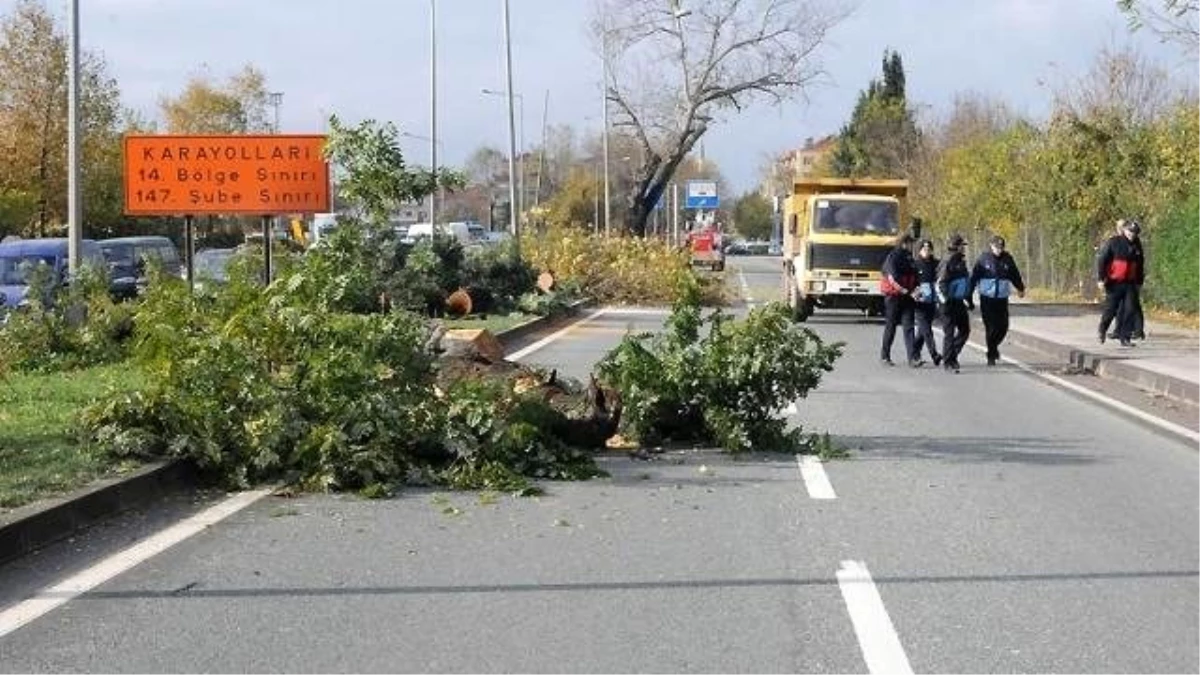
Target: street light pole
(520, 144)
(514, 221)
(433, 197)
(74, 207)
(604, 136)
(275, 99)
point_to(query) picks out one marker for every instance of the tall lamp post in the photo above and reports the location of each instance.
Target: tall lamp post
(513, 220)
(520, 144)
(275, 100)
(74, 206)
(433, 144)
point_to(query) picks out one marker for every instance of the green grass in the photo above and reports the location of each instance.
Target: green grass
(40, 452)
(493, 323)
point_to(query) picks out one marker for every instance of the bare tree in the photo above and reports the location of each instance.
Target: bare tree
(1172, 20)
(673, 70)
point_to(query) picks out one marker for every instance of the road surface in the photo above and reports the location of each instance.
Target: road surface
(984, 522)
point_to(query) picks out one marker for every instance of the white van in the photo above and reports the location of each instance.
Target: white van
(467, 233)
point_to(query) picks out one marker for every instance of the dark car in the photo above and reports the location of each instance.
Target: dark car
(20, 256)
(127, 257)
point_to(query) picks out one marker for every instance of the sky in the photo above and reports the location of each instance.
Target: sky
(370, 59)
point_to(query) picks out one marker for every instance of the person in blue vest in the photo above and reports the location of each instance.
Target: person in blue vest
(995, 275)
(953, 286)
(898, 280)
(1120, 270)
(926, 301)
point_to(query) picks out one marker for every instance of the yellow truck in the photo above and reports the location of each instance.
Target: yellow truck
(836, 234)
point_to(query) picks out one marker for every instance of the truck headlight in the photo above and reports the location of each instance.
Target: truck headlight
(816, 286)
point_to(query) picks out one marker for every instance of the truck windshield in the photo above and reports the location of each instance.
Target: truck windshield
(857, 217)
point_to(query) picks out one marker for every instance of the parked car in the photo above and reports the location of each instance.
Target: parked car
(19, 257)
(467, 233)
(127, 258)
(736, 247)
(212, 266)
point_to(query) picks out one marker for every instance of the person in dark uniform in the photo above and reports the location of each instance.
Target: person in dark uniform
(1120, 271)
(953, 285)
(1137, 320)
(897, 283)
(926, 301)
(995, 275)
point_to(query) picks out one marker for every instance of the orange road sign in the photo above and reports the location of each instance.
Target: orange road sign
(201, 175)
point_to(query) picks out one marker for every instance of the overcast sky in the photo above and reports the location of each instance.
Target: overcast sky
(370, 58)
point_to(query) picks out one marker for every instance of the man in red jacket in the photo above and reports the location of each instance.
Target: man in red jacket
(1120, 271)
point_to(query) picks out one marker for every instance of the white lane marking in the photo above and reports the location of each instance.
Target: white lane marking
(526, 351)
(815, 478)
(72, 587)
(1146, 417)
(745, 288)
(877, 637)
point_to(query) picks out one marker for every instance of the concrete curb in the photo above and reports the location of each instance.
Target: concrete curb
(28, 528)
(1111, 368)
(541, 323)
(31, 527)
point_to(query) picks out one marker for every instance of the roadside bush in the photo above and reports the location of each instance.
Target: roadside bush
(620, 270)
(1173, 258)
(64, 328)
(496, 279)
(723, 385)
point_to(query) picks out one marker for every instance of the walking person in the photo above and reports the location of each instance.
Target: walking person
(953, 286)
(1120, 271)
(1137, 319)
(925, 300)
(995, 275)
(897, 283)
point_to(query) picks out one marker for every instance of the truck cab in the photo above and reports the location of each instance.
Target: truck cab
(836, 234)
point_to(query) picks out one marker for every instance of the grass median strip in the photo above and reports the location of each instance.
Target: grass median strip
(40, 452)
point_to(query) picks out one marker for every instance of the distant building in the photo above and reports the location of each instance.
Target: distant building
(797, 163)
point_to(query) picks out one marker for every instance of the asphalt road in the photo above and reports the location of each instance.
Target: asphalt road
(1006, 526)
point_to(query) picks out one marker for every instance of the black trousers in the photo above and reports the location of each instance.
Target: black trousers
(1121, 299)
(897, 310)
(926, 314)
(956, 328)
(994, 312)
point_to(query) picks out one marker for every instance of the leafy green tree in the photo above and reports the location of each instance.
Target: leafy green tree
(752, 216)
(373, 176)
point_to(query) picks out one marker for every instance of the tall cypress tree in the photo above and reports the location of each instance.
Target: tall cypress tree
(881, 132)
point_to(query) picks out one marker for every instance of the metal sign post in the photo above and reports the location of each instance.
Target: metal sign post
(189, 247)
(268, 237)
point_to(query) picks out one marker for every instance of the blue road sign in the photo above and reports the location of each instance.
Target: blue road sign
(701, 194)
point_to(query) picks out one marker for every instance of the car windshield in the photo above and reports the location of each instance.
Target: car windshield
(857, 217)
(14, 270)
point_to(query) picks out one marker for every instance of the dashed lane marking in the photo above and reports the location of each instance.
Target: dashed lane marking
(877, 637)
(815, 478)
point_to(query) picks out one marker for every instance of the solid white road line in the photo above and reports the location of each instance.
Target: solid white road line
(59, 594)
(526, 351)
(815, 478)
(876, 635)
(1113, 403)
(745, 288)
